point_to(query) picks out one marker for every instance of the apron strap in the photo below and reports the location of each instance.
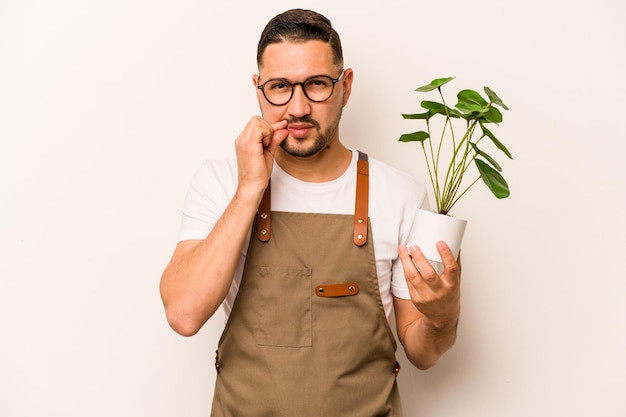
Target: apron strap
(362, 200)
(263, 216)
(264, 231)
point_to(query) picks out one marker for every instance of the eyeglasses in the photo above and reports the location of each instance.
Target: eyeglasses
(318, 88)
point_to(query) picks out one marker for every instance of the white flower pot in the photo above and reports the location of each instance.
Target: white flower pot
(430, 227)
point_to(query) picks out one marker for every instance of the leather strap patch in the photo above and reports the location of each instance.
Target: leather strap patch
(337, 290)
(263, 216)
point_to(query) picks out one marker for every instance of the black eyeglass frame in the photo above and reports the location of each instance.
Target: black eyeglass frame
(301, 84)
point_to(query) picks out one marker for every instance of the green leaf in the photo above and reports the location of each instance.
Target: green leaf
(438, 108)
(487, 157)
(414, 137)
(493, 115)
(494, 98)
(436, 83)
(471, 101)
(492, 178)
(495, 141)
(455, 113)
(423, 116)
(471, 116)
(433, 106)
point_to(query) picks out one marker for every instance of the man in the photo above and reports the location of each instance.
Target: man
(303, 241)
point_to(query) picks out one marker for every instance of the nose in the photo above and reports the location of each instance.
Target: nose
(299, 105)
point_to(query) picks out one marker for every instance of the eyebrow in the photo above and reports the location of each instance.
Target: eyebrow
(287, 79)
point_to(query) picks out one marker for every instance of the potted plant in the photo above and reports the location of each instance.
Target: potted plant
(451, 153)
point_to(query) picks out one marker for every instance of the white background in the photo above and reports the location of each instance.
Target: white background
(108, 107)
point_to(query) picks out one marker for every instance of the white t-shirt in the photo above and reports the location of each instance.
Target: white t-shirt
(394, 198)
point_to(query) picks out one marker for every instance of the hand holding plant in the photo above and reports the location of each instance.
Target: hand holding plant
(447, 179)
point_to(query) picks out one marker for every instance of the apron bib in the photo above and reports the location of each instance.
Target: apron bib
(307, 335)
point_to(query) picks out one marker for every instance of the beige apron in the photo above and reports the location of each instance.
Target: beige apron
(307, 335)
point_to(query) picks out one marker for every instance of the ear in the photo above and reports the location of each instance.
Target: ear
(255, 82)
(346, 81)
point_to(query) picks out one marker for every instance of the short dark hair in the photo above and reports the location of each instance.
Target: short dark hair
(300, 25)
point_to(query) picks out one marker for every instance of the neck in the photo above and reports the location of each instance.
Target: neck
(328, 164)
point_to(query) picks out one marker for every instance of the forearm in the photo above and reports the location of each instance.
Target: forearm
(198, 277)
(425, 342)
(427, 322)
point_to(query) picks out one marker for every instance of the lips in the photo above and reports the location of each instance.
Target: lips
(299, 130)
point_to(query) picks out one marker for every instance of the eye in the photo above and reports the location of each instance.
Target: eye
(319, 82)
(278, 85)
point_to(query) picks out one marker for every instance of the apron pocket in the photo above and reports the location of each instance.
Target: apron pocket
(284, 306)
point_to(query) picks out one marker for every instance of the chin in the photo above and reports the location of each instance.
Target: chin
(301, 147)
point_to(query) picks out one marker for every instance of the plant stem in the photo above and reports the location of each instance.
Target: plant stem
(456, 169)
(430, 173)
(442, 197)
(464, 191)
(432, 165)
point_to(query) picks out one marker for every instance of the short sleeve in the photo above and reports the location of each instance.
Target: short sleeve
(212, 187)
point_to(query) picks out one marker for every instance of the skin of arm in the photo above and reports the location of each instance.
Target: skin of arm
(200, 272)
(427, 323)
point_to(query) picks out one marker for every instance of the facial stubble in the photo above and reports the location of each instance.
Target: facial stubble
(321, 141)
